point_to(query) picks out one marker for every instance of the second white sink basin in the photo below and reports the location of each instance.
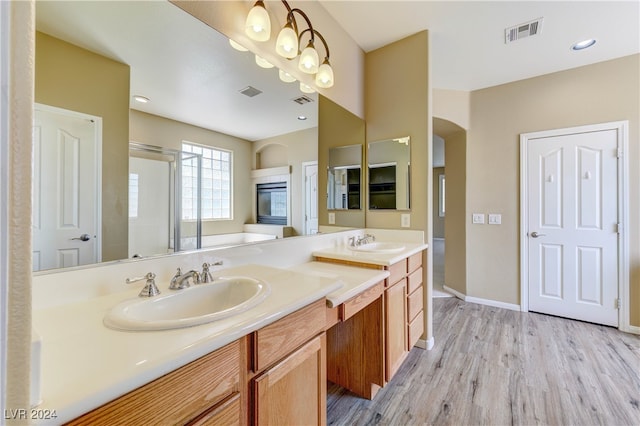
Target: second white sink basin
(379, 247)
(198, 304)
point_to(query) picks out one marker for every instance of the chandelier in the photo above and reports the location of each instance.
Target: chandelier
(258, 28)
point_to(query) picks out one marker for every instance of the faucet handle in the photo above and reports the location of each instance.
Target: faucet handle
(150, 289)
(205, 276)
(173, 285)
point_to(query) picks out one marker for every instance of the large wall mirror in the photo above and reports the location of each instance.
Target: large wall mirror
(389, 171)
(344, 178)
(93, 57)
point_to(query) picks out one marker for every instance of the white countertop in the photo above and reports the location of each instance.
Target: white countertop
(383, 259)
(355, 280)
(85, 364)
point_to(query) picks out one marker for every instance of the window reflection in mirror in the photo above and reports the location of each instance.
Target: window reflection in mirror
(344, 178)
(389, 168)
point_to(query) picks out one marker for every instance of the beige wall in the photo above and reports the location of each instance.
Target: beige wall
(293, 149)
(438, 222)
(598, 93)
(337, 127)
(400, 109)
(455, 226)
(154, 130)
(401, 106)
(452, 105)
(76, 79)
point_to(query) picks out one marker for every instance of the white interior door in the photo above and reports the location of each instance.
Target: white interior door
(311, 199)
(65, 194)
(572, 187)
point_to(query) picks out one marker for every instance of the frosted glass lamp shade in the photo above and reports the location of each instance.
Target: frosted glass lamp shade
(286, 77)
(237, 46)
(324, 77)
(287, 43)
(263, 63)
(305, 88)
(309, 60)
(258, 24)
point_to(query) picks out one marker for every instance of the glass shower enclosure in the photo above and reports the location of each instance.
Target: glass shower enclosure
(164, 200)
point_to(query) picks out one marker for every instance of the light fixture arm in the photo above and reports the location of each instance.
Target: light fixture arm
(324, 42)
(308, 21)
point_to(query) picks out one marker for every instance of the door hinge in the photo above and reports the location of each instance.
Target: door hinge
(619, 228)
(618, 303)
(619, 153)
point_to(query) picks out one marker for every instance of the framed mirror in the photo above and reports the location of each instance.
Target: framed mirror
(344, 178)
(389, 171)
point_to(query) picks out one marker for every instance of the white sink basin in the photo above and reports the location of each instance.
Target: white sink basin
(380, 247)
(198, 304)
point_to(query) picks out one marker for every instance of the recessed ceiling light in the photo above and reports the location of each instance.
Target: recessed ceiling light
(302, 117)
(141, 99)
(583, 44)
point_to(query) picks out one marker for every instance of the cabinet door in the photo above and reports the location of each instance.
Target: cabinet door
(395, 327)
(294, 391)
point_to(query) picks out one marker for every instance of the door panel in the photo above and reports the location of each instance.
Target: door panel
(572, 233)
(64, 190)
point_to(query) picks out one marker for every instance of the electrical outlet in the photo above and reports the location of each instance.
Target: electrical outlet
(332, 218)
(405, 220)
(478, 218)
(495, 219)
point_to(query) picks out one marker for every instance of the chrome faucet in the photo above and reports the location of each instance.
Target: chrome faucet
(150, 289)
(205, 276)
(358, 241)
(181, 281)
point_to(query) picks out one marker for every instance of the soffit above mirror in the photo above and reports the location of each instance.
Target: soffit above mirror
(189, 71)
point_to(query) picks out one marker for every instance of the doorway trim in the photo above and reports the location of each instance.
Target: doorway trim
(97, 164)
(305, 164)
(621, 127)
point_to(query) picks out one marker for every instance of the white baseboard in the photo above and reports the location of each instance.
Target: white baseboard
(632, 329)
(430, 342)
(480, 301)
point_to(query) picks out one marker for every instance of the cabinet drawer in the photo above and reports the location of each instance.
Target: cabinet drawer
(414, 262)
(285, 335)
(228, 413)
(414, 304)
(176, 397)
(397, 271)
(416, 328)
(355, 304)
(414, 280)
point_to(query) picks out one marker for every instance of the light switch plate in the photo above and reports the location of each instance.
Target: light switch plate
(332, 218)
(495, 219)
(477, 218)
(405, 220)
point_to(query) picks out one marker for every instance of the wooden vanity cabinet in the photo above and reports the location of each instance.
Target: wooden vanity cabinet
(355, 342)
(205, 391)
(288, 377)
(403, 320)
(396, 348)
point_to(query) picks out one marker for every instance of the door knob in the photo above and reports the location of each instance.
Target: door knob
(534, 234)
(83, 237)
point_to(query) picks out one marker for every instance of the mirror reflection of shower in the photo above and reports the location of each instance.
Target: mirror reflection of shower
(156, 182)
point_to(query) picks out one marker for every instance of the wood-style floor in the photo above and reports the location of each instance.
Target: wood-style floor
(492, 366)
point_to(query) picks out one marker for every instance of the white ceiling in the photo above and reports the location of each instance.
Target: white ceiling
(468, 51)
(185, 80)
(188, 71)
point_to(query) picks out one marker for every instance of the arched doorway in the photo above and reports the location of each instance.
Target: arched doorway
(449, 208)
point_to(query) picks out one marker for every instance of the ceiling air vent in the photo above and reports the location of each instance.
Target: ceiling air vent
(302, 100)
(528, 29)
(250, 91)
